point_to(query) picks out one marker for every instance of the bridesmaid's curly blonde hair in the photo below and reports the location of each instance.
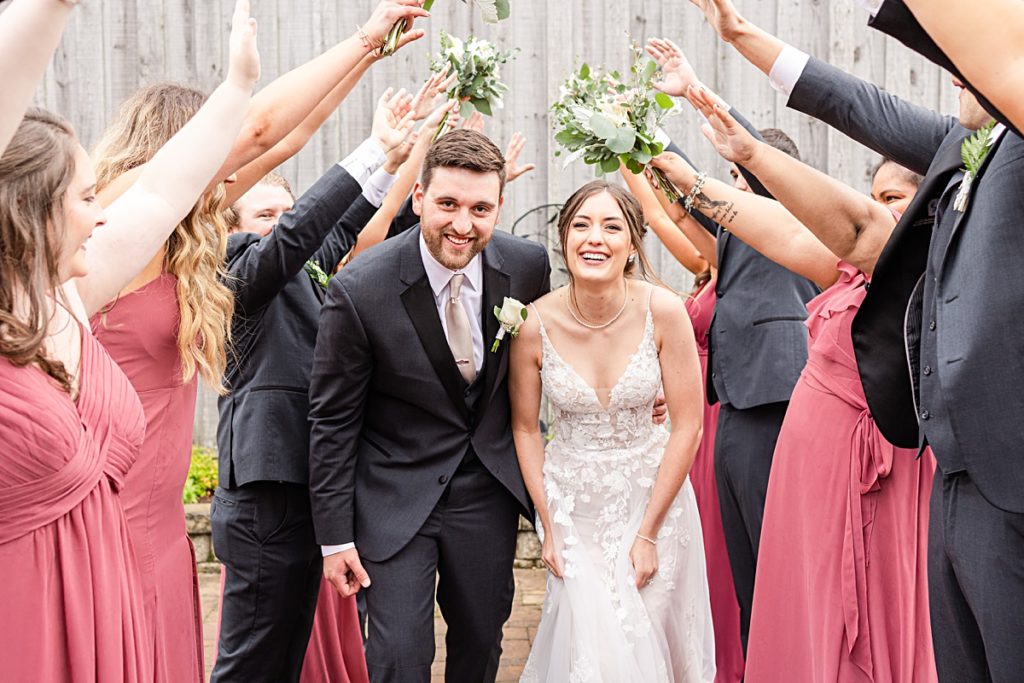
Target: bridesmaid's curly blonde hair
(197, 247)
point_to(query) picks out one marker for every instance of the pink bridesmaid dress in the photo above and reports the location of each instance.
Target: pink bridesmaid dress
(70, 588)
(841, 591)
(335, 653)
(139, 331)
(725, 611)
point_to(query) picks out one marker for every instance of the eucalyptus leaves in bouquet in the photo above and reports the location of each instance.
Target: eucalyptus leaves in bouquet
(491, 11)
(475, 63)
(606, 120)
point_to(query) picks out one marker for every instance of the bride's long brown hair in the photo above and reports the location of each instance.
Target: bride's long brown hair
(36, 170)
(197, 247)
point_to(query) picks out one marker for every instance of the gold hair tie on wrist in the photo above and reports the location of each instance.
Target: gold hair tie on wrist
(645, 538)
(365, 39)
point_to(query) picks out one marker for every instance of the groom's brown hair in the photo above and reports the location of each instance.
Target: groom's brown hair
(466, 149)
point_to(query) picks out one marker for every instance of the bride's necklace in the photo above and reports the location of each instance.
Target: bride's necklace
(599, 326)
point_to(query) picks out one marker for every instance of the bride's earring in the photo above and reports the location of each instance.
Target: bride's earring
(631, 259)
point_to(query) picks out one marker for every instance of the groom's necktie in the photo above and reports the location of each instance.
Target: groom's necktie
(460, 336)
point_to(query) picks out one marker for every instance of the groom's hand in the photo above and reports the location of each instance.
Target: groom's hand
(660, 412)
(346, 573)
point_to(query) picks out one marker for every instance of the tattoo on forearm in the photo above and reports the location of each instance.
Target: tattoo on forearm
(721, 212)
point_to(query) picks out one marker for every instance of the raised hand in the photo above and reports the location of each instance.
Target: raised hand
(346, 573)
(427, 99)
(512, 168)
(474, 122)
(392, 121)
(722, 16)
(244, 57)
(731, 140)
(388, 13)
(677, 73)
(447, 114)
(675, 168)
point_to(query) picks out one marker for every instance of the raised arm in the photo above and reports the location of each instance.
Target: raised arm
(664, 227)
(988, 52)
(524, 386)
(265, 268)
(141, 220)
(852, 225)
(895, 128)
(762, 223)
(291, 99)
(29, 33)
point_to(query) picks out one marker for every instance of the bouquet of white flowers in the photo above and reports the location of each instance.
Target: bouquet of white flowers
(475, 64)
(492, 11)
(605, 121)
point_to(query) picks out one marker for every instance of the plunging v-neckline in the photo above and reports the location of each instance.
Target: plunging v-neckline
(622, 376)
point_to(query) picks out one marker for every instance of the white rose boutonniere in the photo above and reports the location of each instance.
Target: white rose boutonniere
(511, 317)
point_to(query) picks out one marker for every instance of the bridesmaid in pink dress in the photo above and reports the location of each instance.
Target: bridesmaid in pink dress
(148, 354)
(840, 593)
(843, 546)
(725, 610)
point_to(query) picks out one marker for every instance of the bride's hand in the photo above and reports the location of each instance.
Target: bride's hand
(549, 555)
(644, 556)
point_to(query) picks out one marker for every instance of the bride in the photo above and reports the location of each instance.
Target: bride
(627, 596)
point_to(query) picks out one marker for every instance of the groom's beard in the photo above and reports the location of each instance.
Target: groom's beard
(442, 249)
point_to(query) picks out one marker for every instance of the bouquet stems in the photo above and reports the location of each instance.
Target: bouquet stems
(395, 34)
(671, 191)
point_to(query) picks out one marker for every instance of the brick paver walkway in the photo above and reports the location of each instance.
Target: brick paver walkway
(519, 631)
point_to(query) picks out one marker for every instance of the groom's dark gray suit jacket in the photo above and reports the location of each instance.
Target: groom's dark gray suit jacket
(263, 433)
(967, 389)
(390, 423)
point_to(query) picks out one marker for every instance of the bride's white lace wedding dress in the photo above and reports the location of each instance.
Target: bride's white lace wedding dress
(599, 471)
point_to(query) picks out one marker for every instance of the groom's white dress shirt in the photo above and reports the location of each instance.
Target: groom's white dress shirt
(471, 296)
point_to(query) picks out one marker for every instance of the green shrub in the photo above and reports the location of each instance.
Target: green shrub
(202, 476)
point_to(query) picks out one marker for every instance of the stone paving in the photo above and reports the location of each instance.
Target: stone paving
(519, 631)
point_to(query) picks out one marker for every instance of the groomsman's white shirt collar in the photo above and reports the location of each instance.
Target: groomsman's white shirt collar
(471, 296)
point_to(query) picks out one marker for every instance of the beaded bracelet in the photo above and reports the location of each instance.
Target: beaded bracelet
(691, 196)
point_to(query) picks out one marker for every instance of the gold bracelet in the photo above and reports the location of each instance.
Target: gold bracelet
(645, 538)
(365, 39)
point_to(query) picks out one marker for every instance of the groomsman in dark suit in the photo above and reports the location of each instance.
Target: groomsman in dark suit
(938, 339)
(262, 528)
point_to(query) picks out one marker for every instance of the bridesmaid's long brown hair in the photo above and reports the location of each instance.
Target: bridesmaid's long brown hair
(36, 171)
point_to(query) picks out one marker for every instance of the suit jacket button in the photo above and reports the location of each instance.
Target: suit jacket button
(719, 293)
(927, 370)
(931, 326)
(925, 415)
(443, 479)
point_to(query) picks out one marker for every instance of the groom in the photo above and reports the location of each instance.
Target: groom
(413, 473)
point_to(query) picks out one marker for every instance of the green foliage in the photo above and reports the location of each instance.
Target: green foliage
(317, 274)
(605, 120)
(975, 149)
(475, 63)
(202, 476)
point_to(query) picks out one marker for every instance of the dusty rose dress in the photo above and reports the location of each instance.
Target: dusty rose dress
(841, 591)
(335, 653)
(69, 586)
(725, 611)
(139, 331)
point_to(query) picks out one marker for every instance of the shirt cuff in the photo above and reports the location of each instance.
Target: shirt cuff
(787, 69)
(378, 186)
(872, 6)
(335, 549)
(366, 159)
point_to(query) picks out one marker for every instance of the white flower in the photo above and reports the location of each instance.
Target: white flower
(511, 317)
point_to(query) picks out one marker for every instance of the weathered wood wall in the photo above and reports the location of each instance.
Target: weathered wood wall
(113, 47)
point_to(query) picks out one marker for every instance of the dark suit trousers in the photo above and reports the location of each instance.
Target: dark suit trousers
(744, 445)
(975, 584)
(466, 548)
(263, 533)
